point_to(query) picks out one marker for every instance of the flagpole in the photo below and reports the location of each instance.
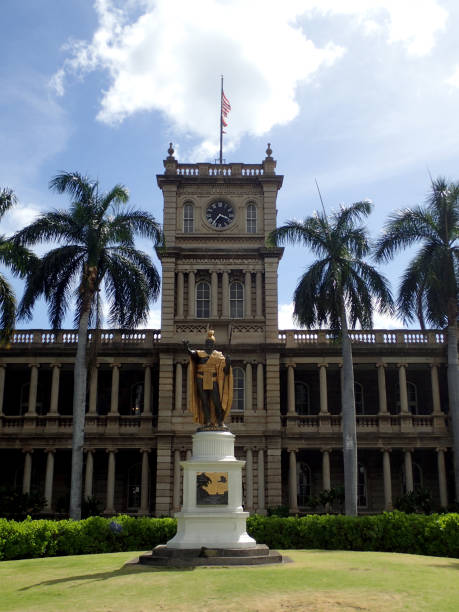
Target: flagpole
(221, 121)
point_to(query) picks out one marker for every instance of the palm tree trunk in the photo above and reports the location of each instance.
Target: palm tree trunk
(453, 387)
(79, 406)
(348, 421)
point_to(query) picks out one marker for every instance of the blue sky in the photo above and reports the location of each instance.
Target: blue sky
(361, 95)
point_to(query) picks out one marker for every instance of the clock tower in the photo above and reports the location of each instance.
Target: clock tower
(218, 273)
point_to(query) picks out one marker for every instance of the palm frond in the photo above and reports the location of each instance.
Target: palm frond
(7, 309)
(8, 199)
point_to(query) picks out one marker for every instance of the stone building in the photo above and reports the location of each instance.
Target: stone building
(217, 273)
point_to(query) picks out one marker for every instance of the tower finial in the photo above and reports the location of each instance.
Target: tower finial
(170, 150)
(269, 151)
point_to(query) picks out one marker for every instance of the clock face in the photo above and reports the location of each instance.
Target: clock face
(220, 214)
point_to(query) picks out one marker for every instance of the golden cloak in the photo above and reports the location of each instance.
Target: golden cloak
(225, 387)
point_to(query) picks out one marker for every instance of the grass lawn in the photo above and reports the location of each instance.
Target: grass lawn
(315, 581)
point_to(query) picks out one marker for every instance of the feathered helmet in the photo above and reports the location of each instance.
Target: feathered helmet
(210, 335)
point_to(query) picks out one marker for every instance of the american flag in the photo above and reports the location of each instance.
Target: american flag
(226, 107)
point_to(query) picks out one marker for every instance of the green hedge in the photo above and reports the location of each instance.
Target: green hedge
(435, 534)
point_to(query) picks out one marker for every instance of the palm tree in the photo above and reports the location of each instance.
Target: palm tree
(17, 258)
(338, 289)
(96, 244)
(430, 284)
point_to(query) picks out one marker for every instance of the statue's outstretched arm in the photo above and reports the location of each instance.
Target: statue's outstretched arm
(189, 350)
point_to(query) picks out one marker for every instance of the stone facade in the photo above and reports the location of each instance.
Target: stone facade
(286, 413)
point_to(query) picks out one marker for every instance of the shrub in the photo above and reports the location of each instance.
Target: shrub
(435, 534)
(17, 505)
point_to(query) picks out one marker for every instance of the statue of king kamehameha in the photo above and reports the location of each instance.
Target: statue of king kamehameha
(210, 392)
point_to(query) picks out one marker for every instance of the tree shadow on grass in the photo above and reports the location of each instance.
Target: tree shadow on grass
(98, 576)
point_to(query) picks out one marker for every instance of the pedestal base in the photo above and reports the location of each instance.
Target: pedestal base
(225, 530)
(163, 556)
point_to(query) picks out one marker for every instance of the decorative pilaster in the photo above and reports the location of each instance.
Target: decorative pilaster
(260, 388)
(180, 294)
(259, 294)
(248, 479)
(114, 398)
(110, 502)
(49, 478)
(191, 294)
(292, 482)
(178, 386)
(442, 477)
(144, 488)
(387, 479)
(214, 295)
(248, 387)
(53, 407)
(291, 389)
(261, 481)
(225, 295)
(248, 295)
(89, 474)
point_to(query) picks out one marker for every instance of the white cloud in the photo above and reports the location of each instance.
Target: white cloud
(454, 78)
(166, 56)
(285, 316)
(18, 217)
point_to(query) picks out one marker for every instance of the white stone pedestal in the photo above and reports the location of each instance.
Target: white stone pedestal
(212, 514)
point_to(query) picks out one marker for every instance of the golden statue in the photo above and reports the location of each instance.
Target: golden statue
(210, 392)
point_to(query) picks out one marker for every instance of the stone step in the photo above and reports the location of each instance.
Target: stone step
(162, 556)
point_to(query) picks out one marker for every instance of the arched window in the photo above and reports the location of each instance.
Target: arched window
(358, 396)
(202, 300)
(236, 300)
(136, 398)
(238, 389)
(304, 484)
(302, 405)
(134, 485)
(188, 218)
(251, 219)
(362, 494)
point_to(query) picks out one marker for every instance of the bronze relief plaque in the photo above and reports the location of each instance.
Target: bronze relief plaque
(211, 488)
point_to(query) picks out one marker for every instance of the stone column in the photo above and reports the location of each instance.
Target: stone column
(435, 389)
(292, 482)
(178, 386)
(2, 386)
(248, 480)
(93, 380)
(326, 478)
(248, 386)
(33, 388)
(147, 389)
(27, 477)
(176, 491)
(191, 298)
(49, 479)
(442, 477)
(188, 455)
(144, 488)
(291, 389)
(259, 294)
(214, 295)
(225, 295)
(115, 388)
(408, 470)
(248, 295)
(260, 388)
(387, 479)
(53, 407)
(382, 394)
(261, 481)
(89, 474)
(403, 390)
(180, 295)
(110, 503)
(323, 388)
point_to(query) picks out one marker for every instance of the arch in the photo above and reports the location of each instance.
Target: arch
(302, 398)
(202, 300)
(251, 218)
(359, 398)
(362, 491)
(304, 480)
(188, 218)
(236, 298)
(238, 389)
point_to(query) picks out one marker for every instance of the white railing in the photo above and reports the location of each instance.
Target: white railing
(39, 337)
(294, 337)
